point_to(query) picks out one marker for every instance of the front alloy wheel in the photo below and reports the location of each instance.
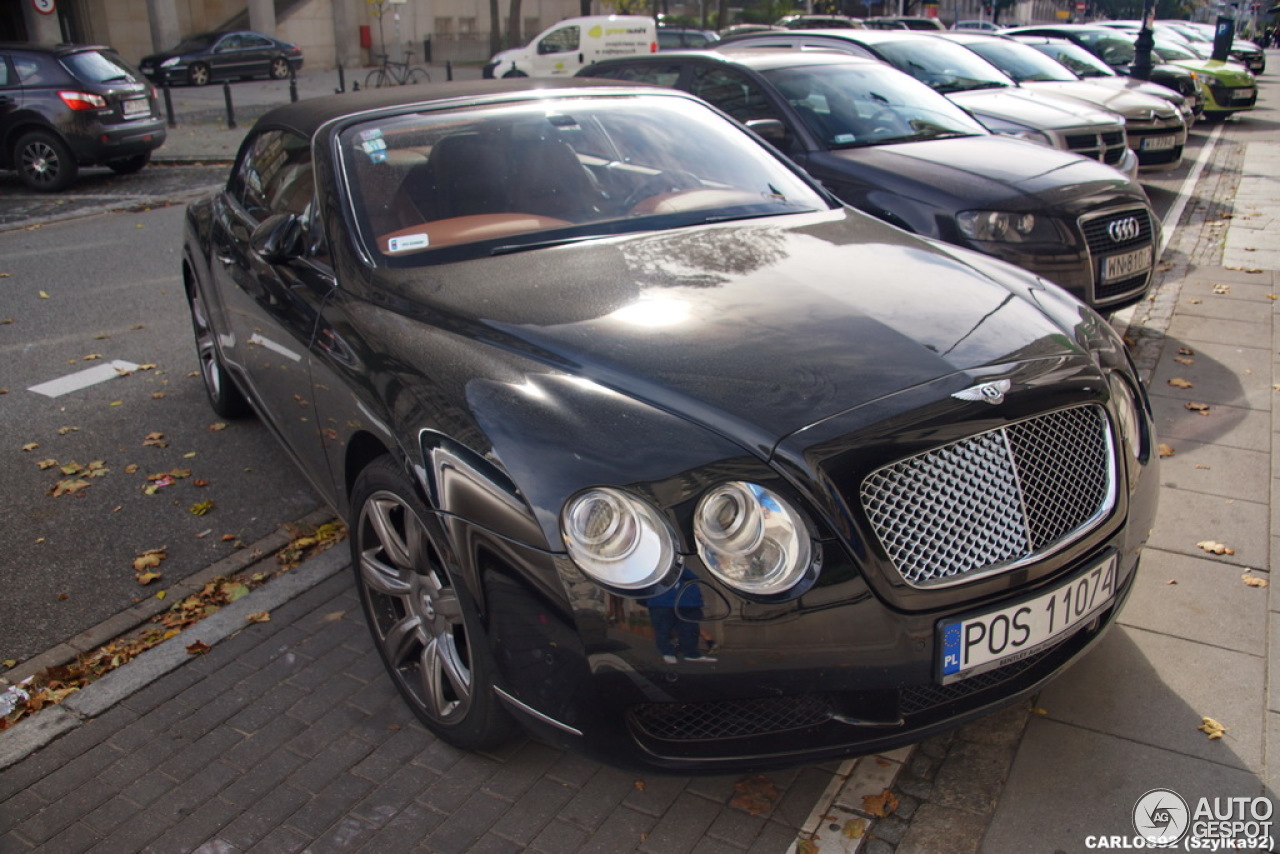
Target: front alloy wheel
(279, 68)
(422, 623)
(225, 396)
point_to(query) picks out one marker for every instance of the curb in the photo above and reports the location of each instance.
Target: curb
(40, 729)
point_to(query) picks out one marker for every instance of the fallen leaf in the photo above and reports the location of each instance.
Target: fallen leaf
(43, 295)
(201, 509)
(30, 446)
(62, 431)
(1186, 351)
(1172, 581)
(854, 828)
(1215, 547)
(265, 617)
(756, 795)
(1211, 728)
(145, 578)
(46, 464)
(155, 440)
(234, 591)
(226, 538)
(1254, 580)
(638, 785)
(1273, 296)
(70, 486)
(1195, 301)
(219, 425)
(1183, 360)
(1036, 710)
(157, 395)
(1179, 382)
(1198, 408)
(1222, 289)
(881, 805)
(198, 648)
(131, 468)
(1166, 450)
(334, 616)
(806, 846)
(91, 357)
(201, 482)
(148, 559)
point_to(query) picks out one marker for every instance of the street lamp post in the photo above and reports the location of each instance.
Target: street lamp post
(1146, 41)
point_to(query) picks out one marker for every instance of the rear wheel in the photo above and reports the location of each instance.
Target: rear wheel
(44, 161)
(514, 73)
(224, 395)
(130, 165)
(198, 74)
(417, 74)
(424, 624)
(279, 68)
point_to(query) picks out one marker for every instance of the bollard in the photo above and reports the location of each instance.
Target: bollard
(448, 69)
(231, 113)
(342, 80)
(168, 104)
(293, 84)
(355, 85)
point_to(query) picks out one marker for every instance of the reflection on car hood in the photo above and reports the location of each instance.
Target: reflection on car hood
(1030, 108)
(1145, 87)
(1230, 73)
(1130, 104)
(989, 172)
(753, 329)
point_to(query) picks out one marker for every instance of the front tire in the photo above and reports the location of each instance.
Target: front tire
(44, 162)
(424, 624)
(514, 73)
(224, 395)
(377, 79)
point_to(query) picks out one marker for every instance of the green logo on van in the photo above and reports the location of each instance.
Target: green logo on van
(596, 31)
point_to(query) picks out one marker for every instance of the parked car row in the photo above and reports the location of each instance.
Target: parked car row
(599, 378)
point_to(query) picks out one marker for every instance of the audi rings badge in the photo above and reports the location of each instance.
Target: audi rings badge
(1124, 230)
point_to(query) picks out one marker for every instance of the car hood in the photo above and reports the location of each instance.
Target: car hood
(1145, 87)
(987, 172)
(1126, 102)
(1230, 73)
(753, 329)
(1030, 108)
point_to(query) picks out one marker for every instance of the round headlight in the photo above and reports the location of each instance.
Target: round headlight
(617, 539)
(751, 538)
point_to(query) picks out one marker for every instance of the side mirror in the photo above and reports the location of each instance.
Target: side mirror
(771, 129)
(278, 238)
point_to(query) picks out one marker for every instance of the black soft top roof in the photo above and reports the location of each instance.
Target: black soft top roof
(307, 117)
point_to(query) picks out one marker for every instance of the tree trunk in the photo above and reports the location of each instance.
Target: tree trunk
(722, 15)
(495, 27)
(514, 36)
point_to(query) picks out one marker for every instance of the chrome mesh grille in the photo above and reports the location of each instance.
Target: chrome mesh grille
(995, 499)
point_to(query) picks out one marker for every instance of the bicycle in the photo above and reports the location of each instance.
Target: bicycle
(399, 73)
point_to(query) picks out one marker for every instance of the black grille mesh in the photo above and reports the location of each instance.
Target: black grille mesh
(730, 718)
(995, 498)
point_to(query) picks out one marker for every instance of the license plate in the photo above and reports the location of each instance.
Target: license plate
(1126, 264)
(1158, 143)
(973, 644)
(1242, 94)
(136, 107)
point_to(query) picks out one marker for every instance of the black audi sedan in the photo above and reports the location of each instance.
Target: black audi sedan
(67, 106)
(594, 374)
(209, 57)
(892, 147)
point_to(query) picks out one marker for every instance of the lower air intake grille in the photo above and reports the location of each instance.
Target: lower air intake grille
(993, 500)
(730, 718)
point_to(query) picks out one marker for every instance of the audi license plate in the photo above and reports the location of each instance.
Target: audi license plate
(1126, 264)
(135, 107)
(976, 643)
(1158, 143)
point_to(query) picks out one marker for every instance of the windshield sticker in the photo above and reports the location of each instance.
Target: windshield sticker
(842, 138)
(408, 243)
(372, 143)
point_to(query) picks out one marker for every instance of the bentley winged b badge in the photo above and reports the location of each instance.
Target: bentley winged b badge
(992, 392)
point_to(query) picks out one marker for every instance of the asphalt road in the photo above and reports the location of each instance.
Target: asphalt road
(74, 296)
(88, 277)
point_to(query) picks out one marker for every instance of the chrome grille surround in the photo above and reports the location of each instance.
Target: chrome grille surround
(1093, 228)
(994, 501)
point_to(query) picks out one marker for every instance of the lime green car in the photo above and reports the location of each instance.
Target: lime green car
(1229, 87)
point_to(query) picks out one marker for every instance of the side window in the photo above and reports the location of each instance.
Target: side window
(275, 176)
(254, 41)
(732, 92)
(563, 40)
(30, 70)
(229, 43)
(6, 79)
(646, 72)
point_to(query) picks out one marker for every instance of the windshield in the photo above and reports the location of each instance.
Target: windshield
(1170, 52)
(1111, 48)
(1019, 61)
(94, 66)
(944, 66)
(456, 183)
(854, 105)
(1076, 59)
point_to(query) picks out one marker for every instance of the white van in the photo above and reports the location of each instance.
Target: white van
(574, 42)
